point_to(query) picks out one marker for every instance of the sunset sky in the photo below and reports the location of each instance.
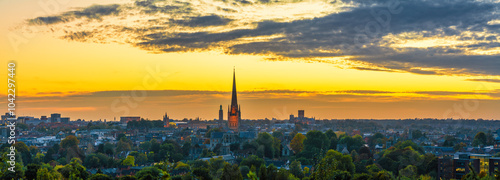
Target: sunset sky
(338, 59)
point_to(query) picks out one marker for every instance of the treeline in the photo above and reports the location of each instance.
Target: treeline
(316, 157)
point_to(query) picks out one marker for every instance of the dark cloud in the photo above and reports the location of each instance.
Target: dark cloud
(357, 32)
(149, 93)
(151, 7)
(96, 11)
(455, 63)
(46, 20)
(485, 80)
(79, 36)
(450, 93)
(92, 12)
(371, 69)
(202, 21)
(365, 92)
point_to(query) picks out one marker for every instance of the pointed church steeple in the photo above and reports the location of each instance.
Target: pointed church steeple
(234, 100)
(233, 113)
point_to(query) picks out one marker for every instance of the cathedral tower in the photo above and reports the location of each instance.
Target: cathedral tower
(234, 115)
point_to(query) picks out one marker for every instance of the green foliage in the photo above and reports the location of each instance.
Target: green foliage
(180, 165)
(216, 165)
(202, 173)
(296, 169)
(334, 165)
(278, 134)
(404, 144)
(151, 172)
(252, 160)
(409, 171)
(276, 147)
(123, 145)
(69, 141)
(472, 175)
(377, 138)
(168, 150)
(74, 170)
(252, 175)
(7, 174)
(45, 174)
(383, 175)
(244, 171)
(333, 138)
(31, 171)
(316, 144)
(459, 146)
(199, 164)
(24, 151)
(373, 168)
(266, 148)
(48, 156)
(106, 148)
(129, 161)
(417, 134)
(186, 147)
(283, 174)
(100, 177)
(98, 160)
(297, 143)
(449, 141)
(231, 172)
(145, 146)
(362, 176)
(207, 153)
(262, 172)
(479, 139)
(316, 141)
(352, 143)
(39, 158)
(271, 171)
(128, 177)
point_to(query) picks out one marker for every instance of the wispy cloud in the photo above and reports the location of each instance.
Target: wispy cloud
(259, 103)
(485, 80)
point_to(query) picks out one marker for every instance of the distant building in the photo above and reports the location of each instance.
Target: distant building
(460, 162)
(64, 120)
(43, 118)
(301, 114)
(222, 140)
(56, 117)
(4, 117)
(126, 119)
(166, 121)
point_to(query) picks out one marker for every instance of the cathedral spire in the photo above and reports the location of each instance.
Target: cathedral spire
(234, 116)
(234, 101)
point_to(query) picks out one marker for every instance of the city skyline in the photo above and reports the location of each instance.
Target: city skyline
(95, 60)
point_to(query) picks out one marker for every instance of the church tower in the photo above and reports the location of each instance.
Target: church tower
(233, 112)
(166, 121)
(221, 117)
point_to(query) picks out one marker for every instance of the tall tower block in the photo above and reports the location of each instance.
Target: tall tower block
(233, 112)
